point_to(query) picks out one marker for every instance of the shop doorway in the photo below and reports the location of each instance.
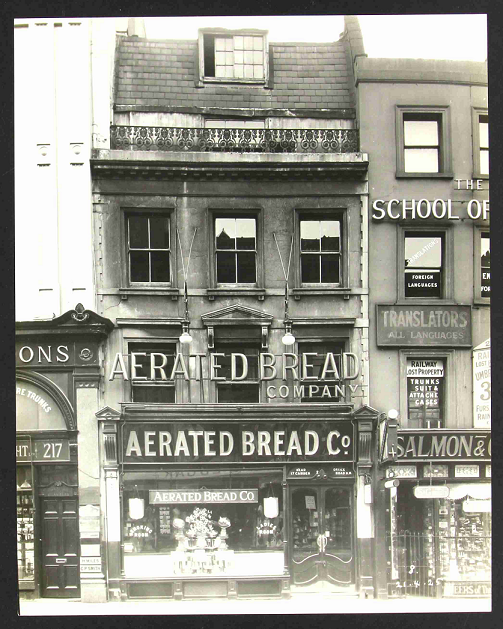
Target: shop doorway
(322, 536)
(60, 548)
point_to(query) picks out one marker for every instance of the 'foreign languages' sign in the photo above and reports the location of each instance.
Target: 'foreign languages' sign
(444, 444)
(236, 443)
(431, 326)
(199, 496)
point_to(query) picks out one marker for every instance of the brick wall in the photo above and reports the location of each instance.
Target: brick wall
(163, 74)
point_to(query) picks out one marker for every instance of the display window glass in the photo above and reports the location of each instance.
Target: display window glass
(203, 521)
(25, 530)
(423, 264)
(437, 542)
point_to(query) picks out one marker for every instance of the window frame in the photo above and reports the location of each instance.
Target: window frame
(319, 340)
(215, 32)
(478, 232)
(445, 149)
(129, 287)
(477, 113)
(447, 270)
(257, 288)
(340, 214)
(450, 400)
(236, 342)
(148, 343)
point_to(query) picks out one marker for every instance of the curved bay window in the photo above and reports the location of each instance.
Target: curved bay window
(203, 522)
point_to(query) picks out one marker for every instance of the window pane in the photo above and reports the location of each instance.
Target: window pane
(157, 394)
(229, 44)
(330, 235)
(330, 269)
(423, 251)
(219, 43)
(258, 43)
(239, 42)
(220, 58)
(245, 233)
(425, 398)
(484, 162)
(484, 135)
(310, 269)
(248, 57)
(248, 43)
(251, 353)
(420, 132)
(257, 58)
(220, 71)
(238, 57)
(225, 229)
(485, 267)
(226, 268)
(160, 266)
(238, 72)
(310, 235)
(139, 266)
(159, 232)
(246, 268)
(258, 72)
(421, 160)
(248, 71)
(239, 393)
(423, 283)
(138, 232)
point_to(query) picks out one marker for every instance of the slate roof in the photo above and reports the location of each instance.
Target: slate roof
(158, 74)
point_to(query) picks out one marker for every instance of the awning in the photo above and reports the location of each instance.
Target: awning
(481, 491)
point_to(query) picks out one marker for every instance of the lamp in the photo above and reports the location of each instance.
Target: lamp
(185, 337)
(288, 338)
(393, 413)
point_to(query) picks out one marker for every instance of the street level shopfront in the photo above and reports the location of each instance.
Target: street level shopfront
(234, 501)
(57, 376)
(439, 514)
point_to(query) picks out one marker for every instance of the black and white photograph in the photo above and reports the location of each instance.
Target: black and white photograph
(252, 327)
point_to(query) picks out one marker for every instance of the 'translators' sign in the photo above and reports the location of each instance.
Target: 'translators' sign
(439, 326)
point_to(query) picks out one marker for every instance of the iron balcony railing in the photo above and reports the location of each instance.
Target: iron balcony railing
(138, 138)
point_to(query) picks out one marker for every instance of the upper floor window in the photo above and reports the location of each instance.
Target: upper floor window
(480, 144)
(423, 264)
(233, 56)
(241, 384)
(322, 376)
(485, 265)
(153, 367)
(425, 392)
(320, 250)
(423, 142)
(148, 248)
(236, 250)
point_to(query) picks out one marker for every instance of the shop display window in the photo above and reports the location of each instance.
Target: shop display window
(25, 532)
(437, 542)
(203, 521)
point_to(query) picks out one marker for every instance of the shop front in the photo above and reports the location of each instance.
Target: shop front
(220, 502)
(439, 514)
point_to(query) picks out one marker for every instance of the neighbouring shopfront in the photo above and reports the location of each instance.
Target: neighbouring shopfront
(439, 514)
(57, 376)
(214, 504)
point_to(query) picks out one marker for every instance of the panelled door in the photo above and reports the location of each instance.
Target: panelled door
(322, 535)
(60, 548)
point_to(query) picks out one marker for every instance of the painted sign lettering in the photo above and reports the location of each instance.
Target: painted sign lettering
(228, 443)
(443, 444)
(424, 326)
(207, 496)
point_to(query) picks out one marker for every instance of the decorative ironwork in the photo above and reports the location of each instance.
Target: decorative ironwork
(234, 140)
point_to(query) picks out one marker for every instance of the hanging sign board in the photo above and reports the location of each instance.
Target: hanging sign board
(310, 502)
(431, 491)
(482, 385)
(206, 496)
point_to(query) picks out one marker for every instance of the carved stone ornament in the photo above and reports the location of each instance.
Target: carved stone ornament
(86, 353)
(80, 314)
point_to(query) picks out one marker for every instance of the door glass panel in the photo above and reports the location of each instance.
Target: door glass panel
(305, 518)
(338, 522)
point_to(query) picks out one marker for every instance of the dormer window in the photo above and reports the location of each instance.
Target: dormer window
(233, 56)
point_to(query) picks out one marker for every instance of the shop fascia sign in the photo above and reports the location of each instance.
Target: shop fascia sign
(431, 491)
(444, 445)
(254, 442)
(287, 366)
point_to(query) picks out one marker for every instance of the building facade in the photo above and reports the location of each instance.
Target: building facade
(429, 321)
(231, 220)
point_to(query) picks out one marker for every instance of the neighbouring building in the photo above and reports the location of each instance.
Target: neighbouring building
(231, 247)
(424, 124)
(58, 359)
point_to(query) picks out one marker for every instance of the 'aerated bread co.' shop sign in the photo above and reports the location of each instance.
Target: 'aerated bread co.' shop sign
(236, 443)
(437, 326)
